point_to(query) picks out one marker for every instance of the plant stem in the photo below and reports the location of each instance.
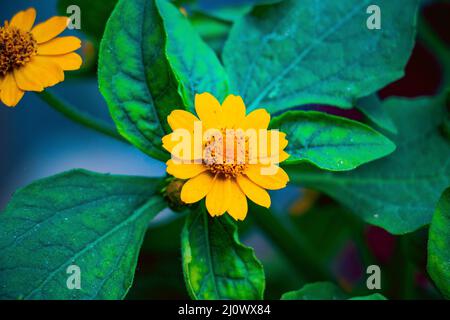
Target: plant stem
(299, 255)
(79, 117)
(435, 44)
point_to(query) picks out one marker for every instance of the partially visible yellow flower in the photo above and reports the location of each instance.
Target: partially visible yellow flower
(225, 181)
(33, 58)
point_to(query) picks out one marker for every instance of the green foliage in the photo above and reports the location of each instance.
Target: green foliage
(399, 192)
(325, 291)
(277, 55)
(94, 221)
(330, 142)
(215, 264)
(298, 52)
(439, 245)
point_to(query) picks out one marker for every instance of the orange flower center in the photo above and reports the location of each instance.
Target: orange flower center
(227, 154)
(16, 48)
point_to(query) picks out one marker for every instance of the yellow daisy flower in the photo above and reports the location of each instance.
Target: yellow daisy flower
(33, 58)
(231, 165)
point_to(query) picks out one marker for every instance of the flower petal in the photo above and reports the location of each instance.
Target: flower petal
(58, 46)
(269, 177)
(45, 71)
(178, 145)
(275, 154)
(49, 29)
(181, 119)
(283, 156)
(208, 110)
(196, 188)
(10, 94)
(257, 119)
(217, 199)
(254, 192)
(169, 142)
(67, 62)
(233, 111)
(279, 137)
(184, 171)
(238, 206)
(24, 20)
(27, 79)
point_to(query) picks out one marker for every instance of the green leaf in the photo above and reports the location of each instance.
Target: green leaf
(298, 52)
(439, 245)
(215, 264)
(316, 291)
(94, 221)
(135, 77)
(399, 192)
(325, 291)
(94, 15)
(194, 63)
(372, 108)
(330, 142)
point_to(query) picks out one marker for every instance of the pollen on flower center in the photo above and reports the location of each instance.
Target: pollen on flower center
(16, 48)
(228, 157)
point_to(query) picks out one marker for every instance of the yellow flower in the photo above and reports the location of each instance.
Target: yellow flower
(232, 164)
(32, 59)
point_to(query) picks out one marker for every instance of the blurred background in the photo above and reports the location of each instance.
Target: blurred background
(36, 141)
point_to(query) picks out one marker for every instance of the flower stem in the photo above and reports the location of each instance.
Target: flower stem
(435, 44)
(79, 117)
(301, 257)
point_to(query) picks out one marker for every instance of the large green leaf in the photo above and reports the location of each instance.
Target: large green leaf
(330, 142)
(399, 192)
(439, 245)
(152, 62)
(325, 291)
(314, 51)
(215, 264)
(94, 221)
(135, 77)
